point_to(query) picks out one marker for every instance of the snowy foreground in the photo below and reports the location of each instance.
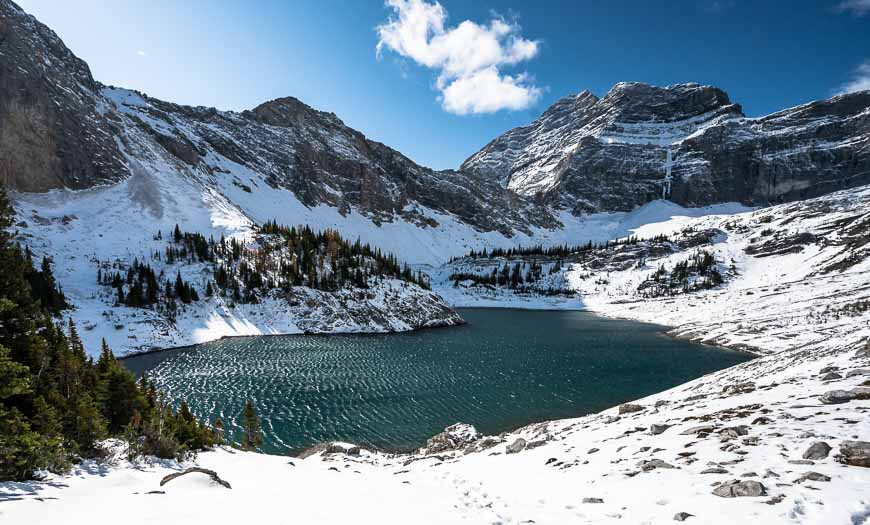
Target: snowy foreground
(751, 423)
(730, 447)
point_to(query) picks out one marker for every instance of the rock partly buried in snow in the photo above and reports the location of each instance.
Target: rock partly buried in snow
(738, 388)
(342, 448)
(714, 470)
(836, 397)
(736, 488)
(812, 476)
(653, 464)
(593, 500)
(855, 453)
(482, 444)
(454, 437)
(818, 450)
(656, 429)
(702, 429)
(517, 446)
(196, 470)
(629, 408)
(831, 376)
(682, 516)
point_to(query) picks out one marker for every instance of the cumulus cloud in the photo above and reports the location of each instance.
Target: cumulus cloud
(860, 80)
(468, 56)
(856, 7)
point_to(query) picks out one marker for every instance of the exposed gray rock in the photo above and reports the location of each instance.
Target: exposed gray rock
(801, 462)
(831, 376)
(818, 450)
(738, 388)
(517, 446)
(702, 429)
(682, 516)
(858, 372)
(812, 476)
(740, 488)
(855, 453)
(593, 500)
(342, 448)
(834, 397)
(656, 429)
(714, 470)
(653, 464)
(629, 408)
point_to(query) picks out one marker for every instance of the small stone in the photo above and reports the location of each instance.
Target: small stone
(661, 403)
(714, 470)
(593, 450)
(801, 462)
(656, 429)
(517, 446)
(682, 516)
(593, 500)
(829, 369)
(736, 488)
(818, 450)
(629, 408)
(762, 421)
(831, 376)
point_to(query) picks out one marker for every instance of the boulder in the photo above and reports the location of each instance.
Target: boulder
(656, 429)
(835, 397)
(818, 450)
(858, 372)
(629, 408)
(812, 476)
(703, 429)
(736, 488)
(831, 376)
(714, 470)
(682, 516)
(517, 446)
(855, 453)
(653, 464)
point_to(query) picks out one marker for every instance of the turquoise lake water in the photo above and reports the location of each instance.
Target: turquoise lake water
(504, 369)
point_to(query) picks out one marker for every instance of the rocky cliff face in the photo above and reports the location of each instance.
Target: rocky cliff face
(588, 154)
(51, 132)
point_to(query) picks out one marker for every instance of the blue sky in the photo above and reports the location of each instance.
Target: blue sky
(480, 68)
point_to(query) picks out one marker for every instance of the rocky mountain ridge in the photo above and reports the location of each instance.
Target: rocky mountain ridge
(687, 143)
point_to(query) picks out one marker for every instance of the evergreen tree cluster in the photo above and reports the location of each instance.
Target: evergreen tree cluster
(55, 401)
(562, 250)
(699, 272)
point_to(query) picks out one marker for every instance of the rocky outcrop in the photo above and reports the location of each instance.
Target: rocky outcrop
(736, 488)
(54, 131)
(454, 437)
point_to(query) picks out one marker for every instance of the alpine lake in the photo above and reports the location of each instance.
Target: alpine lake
(504, 369)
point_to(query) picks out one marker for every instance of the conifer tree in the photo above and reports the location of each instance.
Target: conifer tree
(253, 435)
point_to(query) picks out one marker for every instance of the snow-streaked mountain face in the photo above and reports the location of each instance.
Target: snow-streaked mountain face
(686, 142)
(62, 129)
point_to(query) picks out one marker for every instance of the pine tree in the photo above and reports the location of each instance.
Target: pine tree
(253, 436)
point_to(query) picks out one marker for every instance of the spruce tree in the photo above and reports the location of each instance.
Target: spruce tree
(253, 435)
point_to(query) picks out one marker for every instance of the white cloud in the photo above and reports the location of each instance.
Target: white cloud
(467, 56)
(860, 81)
(856, 7)
(141, 53)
